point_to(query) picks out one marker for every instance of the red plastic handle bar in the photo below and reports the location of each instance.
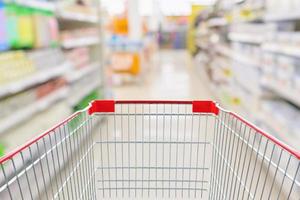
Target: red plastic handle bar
(198, 107)
(108, 106)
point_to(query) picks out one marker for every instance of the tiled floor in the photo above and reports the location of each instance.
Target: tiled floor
(172, 76)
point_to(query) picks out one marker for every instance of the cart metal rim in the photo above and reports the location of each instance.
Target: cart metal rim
(198, 107)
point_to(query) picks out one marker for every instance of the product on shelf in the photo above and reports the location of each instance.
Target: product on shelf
(84, 9)
(20, 100)
(250, 33)
(280, 7)
(17, 65)
(79, 33)
(46, 58)
(4, 43)
(49, 87)
(46, 29)
(12, 27)
(14, 66)
(79, 57)
(126, 62)
(25, 27)
(285, 119)
(11, 103)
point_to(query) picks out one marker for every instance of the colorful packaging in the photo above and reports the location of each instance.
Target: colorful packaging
(26, 28)
(53, 30)
(12, 25)
(4, 43)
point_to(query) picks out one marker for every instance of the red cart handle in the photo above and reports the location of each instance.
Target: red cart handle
(108, 106)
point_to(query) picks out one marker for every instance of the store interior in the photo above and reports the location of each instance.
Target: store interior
(57, 56)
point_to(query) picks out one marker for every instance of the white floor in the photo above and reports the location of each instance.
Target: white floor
(171, 76)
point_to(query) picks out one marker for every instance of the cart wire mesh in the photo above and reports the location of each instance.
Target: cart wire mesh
(152, 149)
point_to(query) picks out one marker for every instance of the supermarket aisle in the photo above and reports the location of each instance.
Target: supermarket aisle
(171, 77)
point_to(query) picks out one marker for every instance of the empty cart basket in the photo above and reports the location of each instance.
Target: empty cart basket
(152, 149)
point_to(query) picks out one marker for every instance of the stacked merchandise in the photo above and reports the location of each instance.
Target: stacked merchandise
(42, 44)
(79, 33)
(259, 45)
(14, 66)
(79, 37)
(84, 78)
(20, 100)
(282, 9)
(284, 120)
(82, 49)
(46, 89)
(23, 27)
(18, 65)
(46, 58)
(281, 61)
(79, 57)
(79, 10)
(126, 59)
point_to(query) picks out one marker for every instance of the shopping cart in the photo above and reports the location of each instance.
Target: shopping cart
(152, 149)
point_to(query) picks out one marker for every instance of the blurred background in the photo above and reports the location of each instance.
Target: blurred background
(58, 55)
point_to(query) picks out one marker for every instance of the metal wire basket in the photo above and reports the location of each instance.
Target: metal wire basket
(152, 149)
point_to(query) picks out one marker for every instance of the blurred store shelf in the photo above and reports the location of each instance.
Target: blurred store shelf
(42, 5)
(27, 112)
(279, 123)
(289, 50)
(224, 50)
(245, 38)
(80, 42)
(37, 78)
(84, 91)
(78, 74)
(74, 16)
(287, 16)
(283, 91)
(245, 60)
(217, 22)
(252, 61)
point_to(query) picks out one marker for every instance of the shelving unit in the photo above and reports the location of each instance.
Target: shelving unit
(245, 38)
(71, 16)
(27, 112)
(81, 42)
(35, 79)
(267, 51)
(285, 92)
(74, 99)
(43, 5)
(278, 17)
(289, 50)
(67, 20)
(73, 77)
